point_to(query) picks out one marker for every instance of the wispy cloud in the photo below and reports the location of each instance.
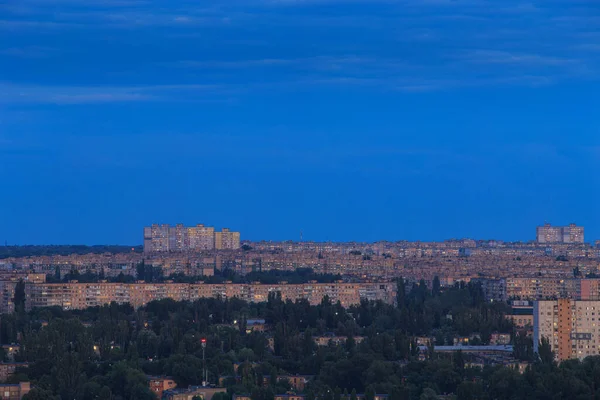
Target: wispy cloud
(248, 45)
(505, 57)
(28, 52)
(11, 93)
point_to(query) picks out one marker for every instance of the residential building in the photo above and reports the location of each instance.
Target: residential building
(227, 240)
(10, 350)
(76, 295)
(159, 384)
(14, 391)
(298, 382)
(572, 327)
(548, 234)
(521, 314)
(499, 338)
(179, 238)
(201, 237)
(7, 369)
(203, 392)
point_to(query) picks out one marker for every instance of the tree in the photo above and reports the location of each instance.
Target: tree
(353, 395)
(57, 273)
(40, 394)
(350, 343)
(469, 391)
(19, 299)
(523, 348)
(545, 352)
(401, 292)
(105, 393)
(458, 360)
(68, 376)
(428, 394)
(435, 286)
(141, 271)
(220, 396)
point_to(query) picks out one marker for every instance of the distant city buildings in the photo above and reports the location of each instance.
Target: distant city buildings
(539, 288)
(560, 234)
(179, 238)
(77, 296)
(572, 327)
(227, 240)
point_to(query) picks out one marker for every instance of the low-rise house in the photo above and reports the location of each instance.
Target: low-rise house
(160, 384)
(256, 325)
(8, 369)
(14, 391)
(10, 350)
(335, 340)
(298, 382)
(500, 338)
(205, 393)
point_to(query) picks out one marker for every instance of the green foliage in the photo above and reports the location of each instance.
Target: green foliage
(36, 251)
(106, 352)
(40, 394)
(523, 347)
(545, 353)
(19, 299)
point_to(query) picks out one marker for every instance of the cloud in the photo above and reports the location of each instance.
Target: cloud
(60, 95)
(28, 52)
(35, 24)
(248, 45)
(505, 57)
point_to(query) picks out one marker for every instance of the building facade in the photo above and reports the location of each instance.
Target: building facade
(75, 295)
(535, 288)
(227, 240)
(179, 238)
(14, 391)
(570, 234)
(572, 327)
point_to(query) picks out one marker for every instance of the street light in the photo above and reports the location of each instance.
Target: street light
(205, 381)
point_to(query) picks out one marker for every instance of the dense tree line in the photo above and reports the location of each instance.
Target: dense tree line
(63, 250)
(148, 273)
(106, 352)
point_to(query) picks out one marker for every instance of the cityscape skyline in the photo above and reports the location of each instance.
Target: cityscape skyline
(302, 237)
(299, 200)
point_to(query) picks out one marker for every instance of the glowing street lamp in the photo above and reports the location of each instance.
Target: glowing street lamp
(203, 342)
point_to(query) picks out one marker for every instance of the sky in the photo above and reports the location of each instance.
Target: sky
(345, 120)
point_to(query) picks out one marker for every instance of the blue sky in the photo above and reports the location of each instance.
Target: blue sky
(346, 119)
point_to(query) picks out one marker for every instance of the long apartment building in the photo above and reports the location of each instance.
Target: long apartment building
(76, 295)
(560, 234)
(180, 238)
(572, 327)
(540, 288)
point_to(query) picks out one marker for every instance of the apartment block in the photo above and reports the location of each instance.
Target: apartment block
(548, 234)
(227, 240)
(535, 288)
(179, 238)
(75, 295)
(201, 237)
(571, 326)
